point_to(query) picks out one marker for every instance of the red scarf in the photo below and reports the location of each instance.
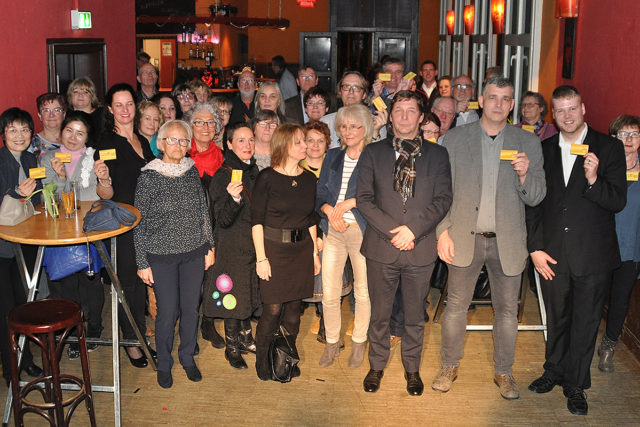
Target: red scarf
(208, 161)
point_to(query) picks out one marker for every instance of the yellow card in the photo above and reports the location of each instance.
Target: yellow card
(632, 176)
(64, 157)
(579, 149)
(473, 105)
(529, 128)
(384, 77)
(379, 103)
(36, 173)
(108, 154)
(410, 75)
(435, 141)
(236, 175)
(508, 154)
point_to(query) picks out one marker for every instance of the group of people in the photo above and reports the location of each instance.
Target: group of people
(246, 202)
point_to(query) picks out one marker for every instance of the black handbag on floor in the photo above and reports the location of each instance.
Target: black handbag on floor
(283, 356)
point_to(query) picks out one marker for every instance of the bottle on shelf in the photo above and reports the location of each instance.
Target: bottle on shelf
(190, 50)
(197, 50)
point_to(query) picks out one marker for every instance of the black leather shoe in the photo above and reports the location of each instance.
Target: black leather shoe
(544, 384)
(33, 370)
(576, 400)
(233, 355)
(210, 333)
(371, 382)
(414, 383)
(140, 362)
(165, 380)
(193, 373)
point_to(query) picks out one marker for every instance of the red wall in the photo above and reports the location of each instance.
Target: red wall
(607, 59)
(23, 54)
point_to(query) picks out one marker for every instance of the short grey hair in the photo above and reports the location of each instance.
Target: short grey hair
(499, 81)
(207, 107)
(175, 124)
(358, 113)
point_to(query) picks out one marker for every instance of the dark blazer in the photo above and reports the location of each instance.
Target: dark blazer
(428, 100)
(329, 187)
(578, 217)
(239, 111)
(384, 210)
(293, 109)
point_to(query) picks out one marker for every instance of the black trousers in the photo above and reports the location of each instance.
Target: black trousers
(574, 307)
(88, 292)
(12, 294)
(132, 287)
(383, 280)
(624, 280)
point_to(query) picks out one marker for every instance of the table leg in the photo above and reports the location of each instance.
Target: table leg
(30, 284)
(115, 283)
(115, 345)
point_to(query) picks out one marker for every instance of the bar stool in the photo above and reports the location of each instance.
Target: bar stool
(40, 321)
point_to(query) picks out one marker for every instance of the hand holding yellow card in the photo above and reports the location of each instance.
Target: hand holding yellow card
(579, 149)
(379, 103)
(508, 154)
(632, 176)
(37, 173)
(236, 175)
(108, 154)
(409, 75)
(473, 105)
(384, 77)
(64, 157)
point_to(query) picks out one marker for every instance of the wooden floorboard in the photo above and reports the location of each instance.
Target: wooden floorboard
(334, 395)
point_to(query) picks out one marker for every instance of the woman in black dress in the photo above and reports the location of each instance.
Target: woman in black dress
(132, 153)
(233, 277)
(284, 237)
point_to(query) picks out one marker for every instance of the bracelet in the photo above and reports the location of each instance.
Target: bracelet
(263, 259)
(108, 179)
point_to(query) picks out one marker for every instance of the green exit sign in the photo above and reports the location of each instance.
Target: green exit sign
(80, 20)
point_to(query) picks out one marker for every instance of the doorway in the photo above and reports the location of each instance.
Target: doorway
(163, 56)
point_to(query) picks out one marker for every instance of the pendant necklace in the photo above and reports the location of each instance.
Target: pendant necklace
(294, 183)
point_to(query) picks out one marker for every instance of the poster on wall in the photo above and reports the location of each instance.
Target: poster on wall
(166, 49)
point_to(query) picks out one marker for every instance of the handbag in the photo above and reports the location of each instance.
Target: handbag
(482, 290)
(14, 211)
(107, 215)
(440, 275)
(62, 261)
(283, 356)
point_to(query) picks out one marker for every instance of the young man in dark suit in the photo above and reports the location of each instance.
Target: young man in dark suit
(573, 244)
(404, 190)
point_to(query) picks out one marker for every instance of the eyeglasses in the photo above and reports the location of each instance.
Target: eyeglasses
(459, 86)
(316, 104)
(264, 124)
(55, 111)
(173, 141)
(184, 96)
(624, 135)
(16, 131)
(247, 81)
(201, 123)
(345, 128)
(307, 77)
(529, 104)
(224, 112)
(349, 88)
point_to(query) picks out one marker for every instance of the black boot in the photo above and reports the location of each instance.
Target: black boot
(210, 333)
(232, 351)
(246, 343)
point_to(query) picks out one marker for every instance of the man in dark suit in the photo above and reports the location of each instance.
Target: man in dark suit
(573, 244)
(429, 86)
(294, 106)
(242, 103)
(404, 190)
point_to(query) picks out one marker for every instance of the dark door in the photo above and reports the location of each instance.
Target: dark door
(69, 59)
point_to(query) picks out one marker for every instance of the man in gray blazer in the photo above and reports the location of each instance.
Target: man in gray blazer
(486, 226)
(404, 191)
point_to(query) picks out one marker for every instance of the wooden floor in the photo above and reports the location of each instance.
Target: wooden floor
(334, 395)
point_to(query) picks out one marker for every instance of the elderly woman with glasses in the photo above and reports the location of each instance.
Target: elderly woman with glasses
(342, 228)
(263, 125)
(533, 108)
(627, 129)
(174, 246)
(206, 125)
(185, 96)
(269, 97)
(51, 110)
(316, 103)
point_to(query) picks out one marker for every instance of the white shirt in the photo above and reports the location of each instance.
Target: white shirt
(429, 90)
(569, 159)
(347, 170)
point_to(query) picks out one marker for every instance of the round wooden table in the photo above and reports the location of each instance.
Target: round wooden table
(42, 230)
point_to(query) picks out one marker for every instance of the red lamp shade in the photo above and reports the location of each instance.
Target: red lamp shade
(567, 8)
(497, 16)
(451, 21)
(469, 14)
(306, 3)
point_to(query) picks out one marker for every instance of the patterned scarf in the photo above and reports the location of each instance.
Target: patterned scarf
(404, 171)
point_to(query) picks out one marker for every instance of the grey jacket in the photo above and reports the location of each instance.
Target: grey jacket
(465, 155)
